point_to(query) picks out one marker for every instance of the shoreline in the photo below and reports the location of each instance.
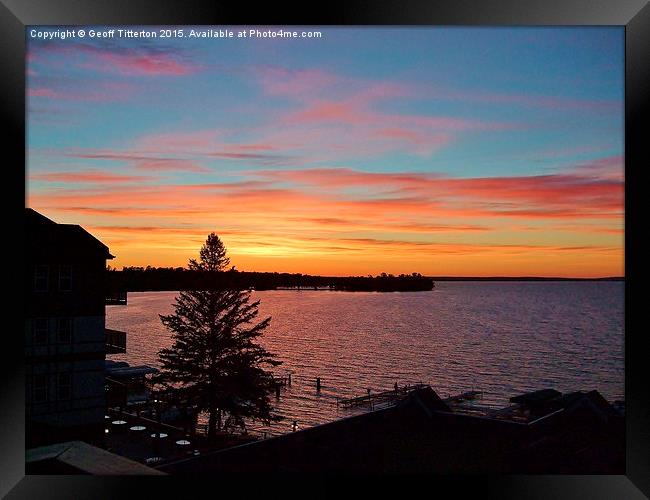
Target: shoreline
(521, 278)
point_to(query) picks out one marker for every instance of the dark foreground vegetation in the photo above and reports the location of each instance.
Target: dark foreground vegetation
(138, 279)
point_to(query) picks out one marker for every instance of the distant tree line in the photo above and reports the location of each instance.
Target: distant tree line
(140, 279)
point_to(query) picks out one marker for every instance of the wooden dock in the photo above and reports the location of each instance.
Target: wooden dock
(282, 381)
(380, 397)
(463, 397)
(117, 298)
(391, 397)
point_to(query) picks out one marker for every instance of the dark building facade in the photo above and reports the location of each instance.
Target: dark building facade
(65, 338)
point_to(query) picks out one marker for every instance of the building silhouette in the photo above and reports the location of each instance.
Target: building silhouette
(574, 433)
(65, 337)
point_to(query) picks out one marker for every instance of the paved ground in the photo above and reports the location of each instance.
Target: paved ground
(130, 441)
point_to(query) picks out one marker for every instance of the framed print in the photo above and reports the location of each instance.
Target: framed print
(387, 240)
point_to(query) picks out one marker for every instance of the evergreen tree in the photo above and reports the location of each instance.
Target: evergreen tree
(214, 361)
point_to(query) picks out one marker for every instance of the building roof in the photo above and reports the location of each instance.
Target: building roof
(43, 232)
(77, 457)
(420, 436)
(111, 365)
(591, 401)
(427, 399)
(129, 371)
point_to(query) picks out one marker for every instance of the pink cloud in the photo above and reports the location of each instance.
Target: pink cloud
(339, 113)
(407, 215)
(211, 144)
(334, 193)
(140, 160)
(312, 82)
(169, 165)
(93, 154)
(356, 111)
(346, 112)
(123, 60)
(534, 196)
(423, 142)
(98, 92)
(352, 126)
(41, 92)
(142, 64)
(179, 142)
(611, 168)
(276, 80)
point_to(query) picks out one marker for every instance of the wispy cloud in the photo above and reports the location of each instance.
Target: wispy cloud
(557, 195)
(138, 63)
(143, 60)
(88, 176)
(520, 100)
(328, 199)
(95, 92)
(139, 160)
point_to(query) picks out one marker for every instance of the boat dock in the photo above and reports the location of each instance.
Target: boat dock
(463, 397)
(282, 381)
(395, 395)
(380, 397)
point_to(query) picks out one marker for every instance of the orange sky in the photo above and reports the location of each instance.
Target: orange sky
(563, 225)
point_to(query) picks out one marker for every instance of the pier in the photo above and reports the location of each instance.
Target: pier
(380, 397)
(282, 381)
(394, 396)
(463, 397)
(117, 298)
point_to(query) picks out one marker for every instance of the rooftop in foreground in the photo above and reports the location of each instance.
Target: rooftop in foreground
(577, 433)
(542, 432)
(77, 457)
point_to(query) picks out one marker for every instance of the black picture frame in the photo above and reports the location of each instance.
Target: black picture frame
(633, 14)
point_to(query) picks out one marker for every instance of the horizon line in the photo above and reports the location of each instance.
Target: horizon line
(439, 278)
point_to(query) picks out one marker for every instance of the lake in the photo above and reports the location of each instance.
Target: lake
(502, 338)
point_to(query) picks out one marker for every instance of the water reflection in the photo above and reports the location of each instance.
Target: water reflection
(498, 337)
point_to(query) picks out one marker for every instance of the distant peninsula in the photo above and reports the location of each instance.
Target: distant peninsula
(523, 278)
(143, 279)
(139, 279)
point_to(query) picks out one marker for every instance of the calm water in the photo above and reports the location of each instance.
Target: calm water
(499, 337)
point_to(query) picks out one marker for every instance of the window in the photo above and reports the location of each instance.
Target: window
(64, 330)
(64, 386)
(39, 388)
(65, 278)
(40, 330)
(41, 275)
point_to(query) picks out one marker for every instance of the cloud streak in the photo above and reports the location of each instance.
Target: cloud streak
(88, 176)
(143, 60)
(322, 212)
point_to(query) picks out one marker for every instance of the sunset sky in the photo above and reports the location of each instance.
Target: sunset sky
(455, 151)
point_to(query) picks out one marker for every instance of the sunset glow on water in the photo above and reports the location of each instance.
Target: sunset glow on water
(500, 338)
